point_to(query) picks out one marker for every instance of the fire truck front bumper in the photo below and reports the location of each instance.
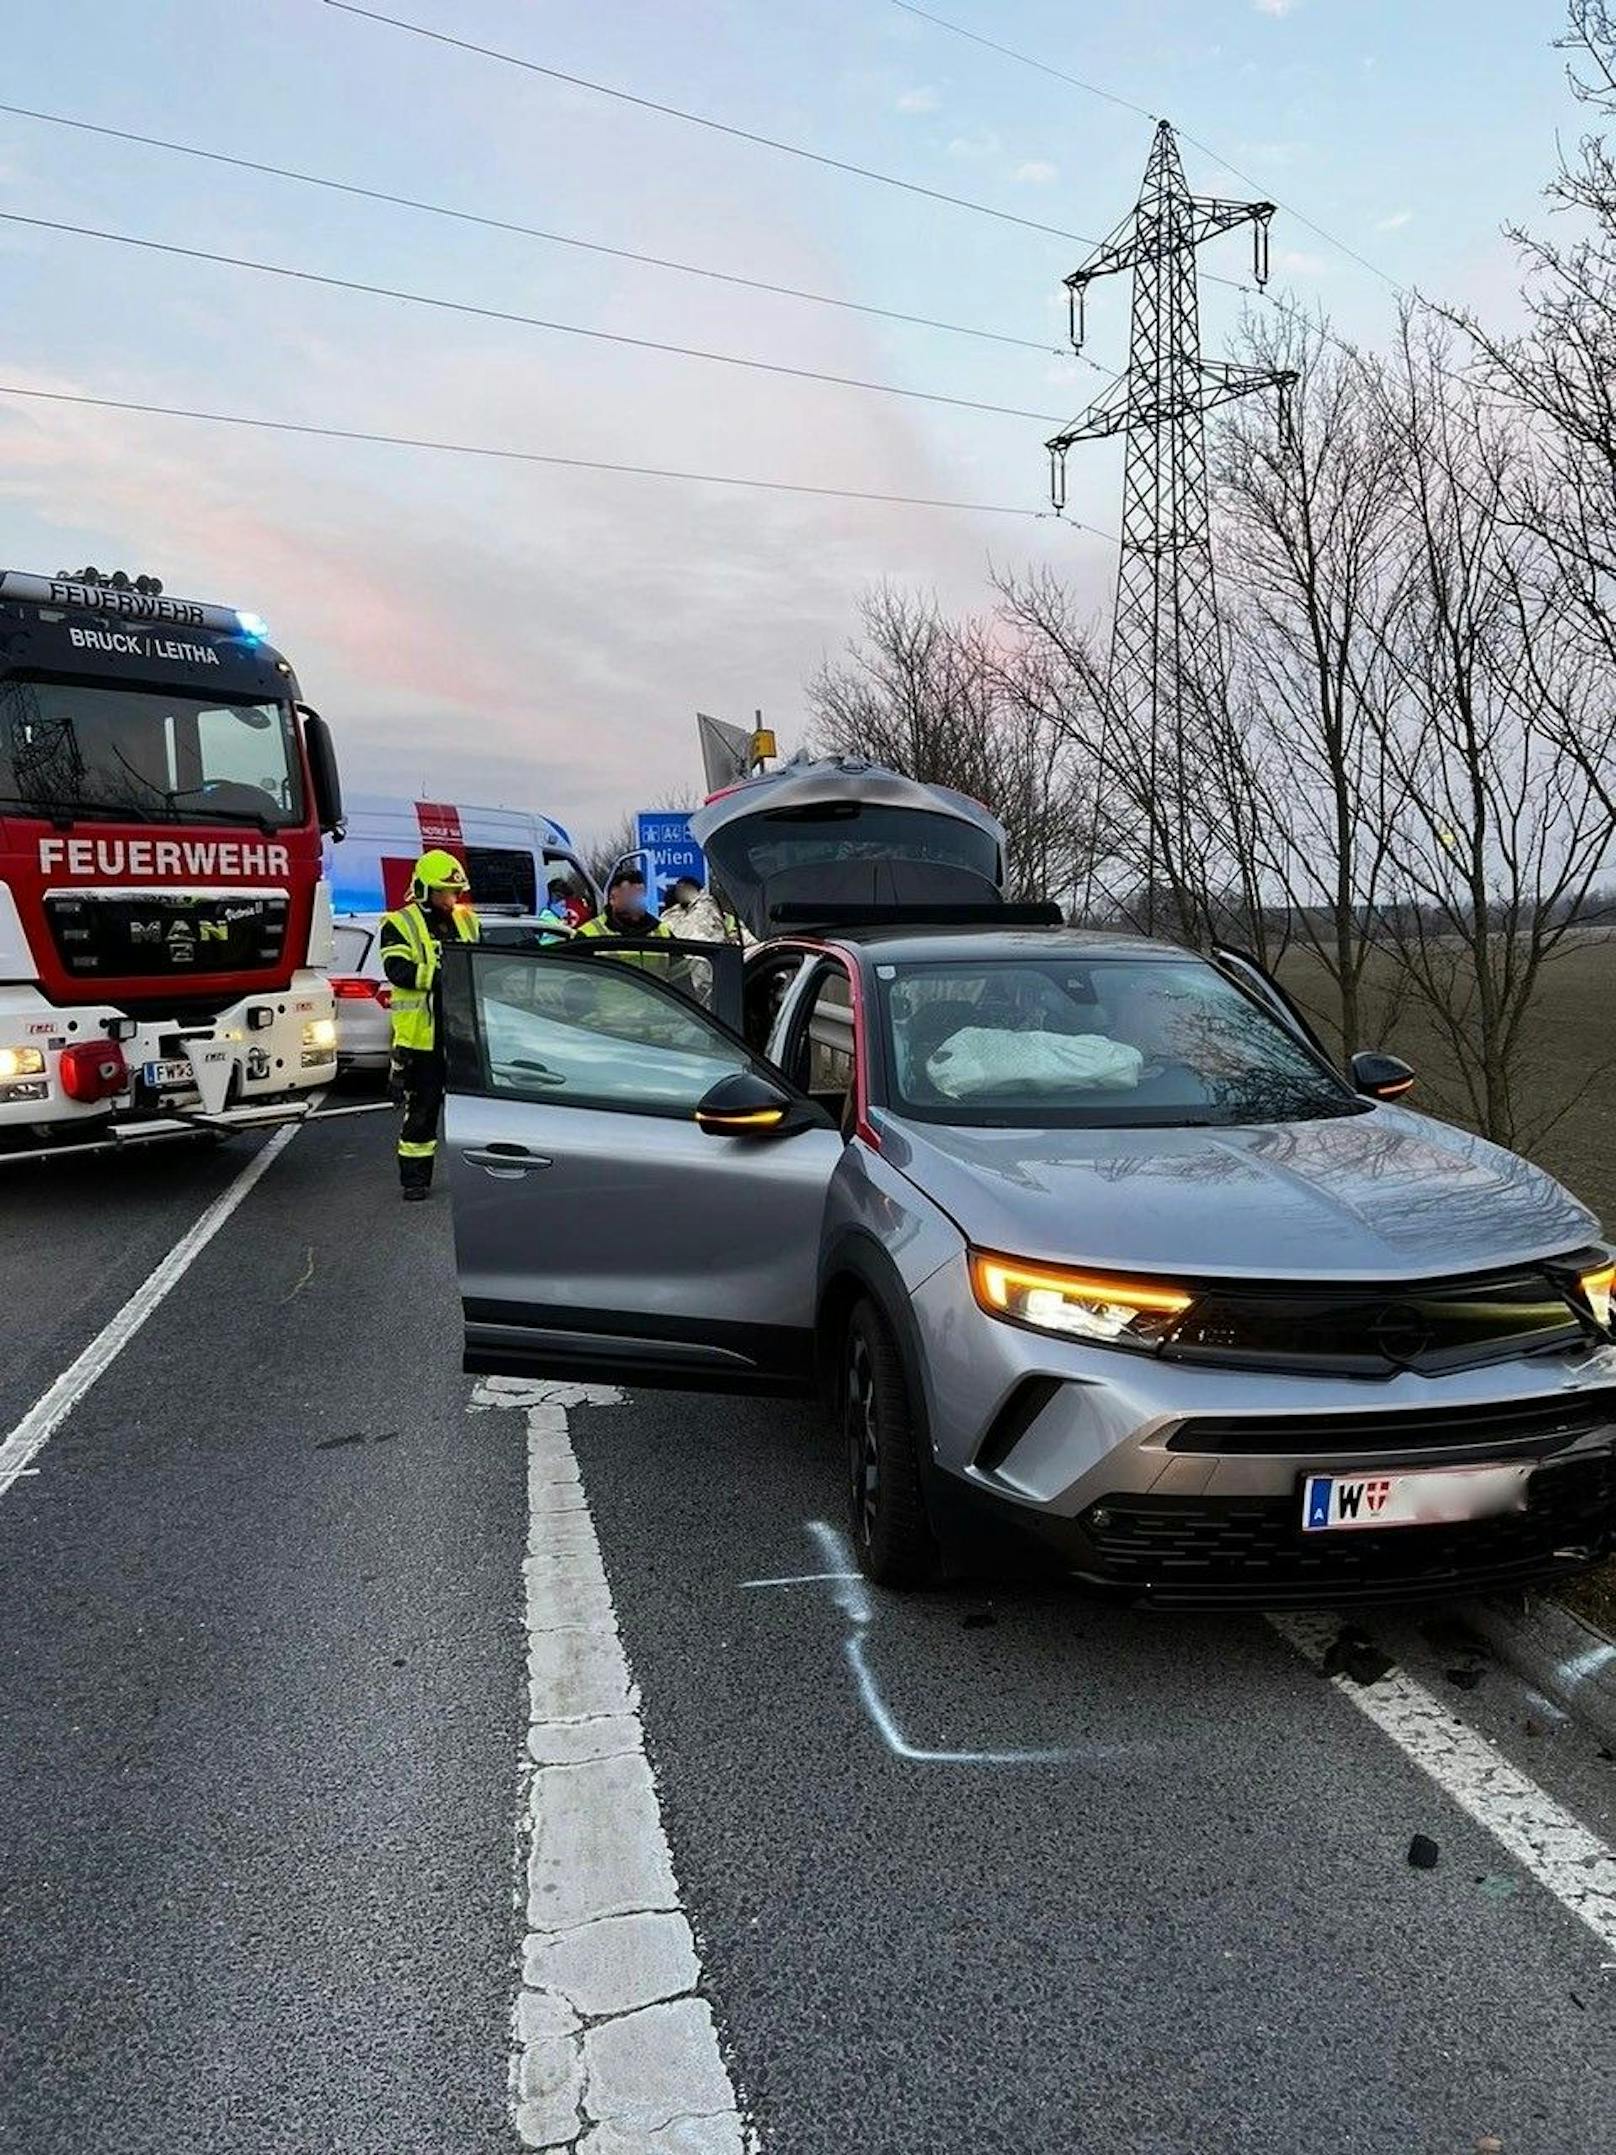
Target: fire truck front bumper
(102, 1071)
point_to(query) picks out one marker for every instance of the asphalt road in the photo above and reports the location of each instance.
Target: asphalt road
(263, 1695)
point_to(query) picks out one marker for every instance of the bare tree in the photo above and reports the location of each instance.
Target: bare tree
(1498, 836)
(1561, 377)
(1308, 536)
(972, 704)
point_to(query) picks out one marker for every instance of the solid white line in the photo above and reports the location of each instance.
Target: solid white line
(1555, 1848)
(613, 2041)
(47, 1414)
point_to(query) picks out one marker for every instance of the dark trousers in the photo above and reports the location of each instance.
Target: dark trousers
(419, 1074)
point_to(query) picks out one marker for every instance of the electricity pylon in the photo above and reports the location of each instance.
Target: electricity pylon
(1167, 667)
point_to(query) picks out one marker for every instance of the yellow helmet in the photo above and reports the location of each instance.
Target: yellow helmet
(438, 870)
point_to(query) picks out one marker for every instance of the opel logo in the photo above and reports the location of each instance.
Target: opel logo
(1400, 1332)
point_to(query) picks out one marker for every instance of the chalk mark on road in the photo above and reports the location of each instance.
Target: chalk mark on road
(852, 1597)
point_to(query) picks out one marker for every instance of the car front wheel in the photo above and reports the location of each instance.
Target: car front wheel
(891, 1532)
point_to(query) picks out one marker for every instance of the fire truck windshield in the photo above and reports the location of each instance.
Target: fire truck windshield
(69, 749)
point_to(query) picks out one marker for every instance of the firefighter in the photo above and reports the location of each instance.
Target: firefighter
(439, 912)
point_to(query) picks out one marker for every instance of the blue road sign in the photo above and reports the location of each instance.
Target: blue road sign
(663, 835)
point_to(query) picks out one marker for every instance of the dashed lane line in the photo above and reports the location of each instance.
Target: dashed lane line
(1552, 1846)
(613, 2043)
(52, 1408)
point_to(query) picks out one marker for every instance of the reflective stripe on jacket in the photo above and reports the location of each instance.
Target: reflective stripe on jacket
(406, 936)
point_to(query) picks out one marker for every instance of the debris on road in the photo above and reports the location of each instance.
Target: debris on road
(1353, 1655)
(1423, 1852)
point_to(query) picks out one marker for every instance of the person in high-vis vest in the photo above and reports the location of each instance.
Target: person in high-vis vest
(628, 920)
(439, 912)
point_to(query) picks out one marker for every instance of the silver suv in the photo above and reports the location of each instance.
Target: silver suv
(1080, 1230)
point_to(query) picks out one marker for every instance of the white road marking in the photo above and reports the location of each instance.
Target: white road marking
(613, 2043)
(852, 1597)
(1556, 1849)
(47, 1414)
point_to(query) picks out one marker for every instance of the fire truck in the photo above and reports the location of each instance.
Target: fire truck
(164, 923)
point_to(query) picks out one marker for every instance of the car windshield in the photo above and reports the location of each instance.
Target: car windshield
(1077, 1042)
(71, 749)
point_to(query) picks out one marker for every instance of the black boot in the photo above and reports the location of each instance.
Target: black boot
(416, 1192)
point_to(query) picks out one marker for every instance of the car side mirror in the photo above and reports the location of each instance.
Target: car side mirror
(1381, 1077)
(747, 1104)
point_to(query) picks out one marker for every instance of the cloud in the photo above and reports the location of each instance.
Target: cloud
(1395, 222)
(923, 99)
(975, 147)
(1036, 172)
(1300, 264)
(1273, 7)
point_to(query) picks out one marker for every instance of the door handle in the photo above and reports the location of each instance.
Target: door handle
(505, 1162)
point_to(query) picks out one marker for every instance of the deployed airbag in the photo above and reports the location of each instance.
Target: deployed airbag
(983, 1059)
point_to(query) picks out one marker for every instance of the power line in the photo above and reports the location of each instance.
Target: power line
(697, 119)
(1043, 67)
(1093, 89)
(530, 456)
(526, 321)
(524, 231)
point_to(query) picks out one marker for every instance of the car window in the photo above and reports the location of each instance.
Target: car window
(1122, 1042)
(826, 1052)
(767, 981)
(592, 1035)
(349, 947)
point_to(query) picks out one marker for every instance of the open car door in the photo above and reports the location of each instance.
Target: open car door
(600, 1230)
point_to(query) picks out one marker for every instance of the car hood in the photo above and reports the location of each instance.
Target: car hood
(1381, 1195)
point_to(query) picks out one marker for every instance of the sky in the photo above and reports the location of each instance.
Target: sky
(498, 632)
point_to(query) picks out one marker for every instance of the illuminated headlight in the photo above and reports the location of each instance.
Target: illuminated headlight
(21, 1062)
(1081, 1305)
(1598, 1286)
(320, 1033)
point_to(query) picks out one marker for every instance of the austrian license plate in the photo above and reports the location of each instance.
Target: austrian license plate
(1431, 1496)
(174, 1075)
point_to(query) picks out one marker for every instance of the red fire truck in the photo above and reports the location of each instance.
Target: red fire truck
(164, 924)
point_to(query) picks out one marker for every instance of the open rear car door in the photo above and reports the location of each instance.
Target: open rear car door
(601, 1230)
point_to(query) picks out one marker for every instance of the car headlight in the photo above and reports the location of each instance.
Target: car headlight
(1599, 1286)
(21, 1062)
(1082, 1305)
(320, 1033)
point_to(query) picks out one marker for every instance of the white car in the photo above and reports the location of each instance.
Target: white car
(361, 995)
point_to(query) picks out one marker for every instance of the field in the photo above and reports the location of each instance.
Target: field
(1570, 1075)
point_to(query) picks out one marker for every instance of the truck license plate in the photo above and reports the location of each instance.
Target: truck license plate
(1435, 1496)
(172, 1076)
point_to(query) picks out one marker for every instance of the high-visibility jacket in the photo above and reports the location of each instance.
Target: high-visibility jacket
(631, 946)
(408, 945)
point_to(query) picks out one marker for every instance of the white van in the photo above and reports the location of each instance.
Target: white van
(509, 854)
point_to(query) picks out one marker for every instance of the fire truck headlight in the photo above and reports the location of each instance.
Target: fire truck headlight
(21, 1062)
(320, 1033)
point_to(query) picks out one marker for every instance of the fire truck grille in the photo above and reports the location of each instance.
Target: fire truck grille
(186, 934)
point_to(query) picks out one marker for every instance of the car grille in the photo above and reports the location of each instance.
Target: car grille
(1253, 1548)
(1549, 1423)
(1428, 1325)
